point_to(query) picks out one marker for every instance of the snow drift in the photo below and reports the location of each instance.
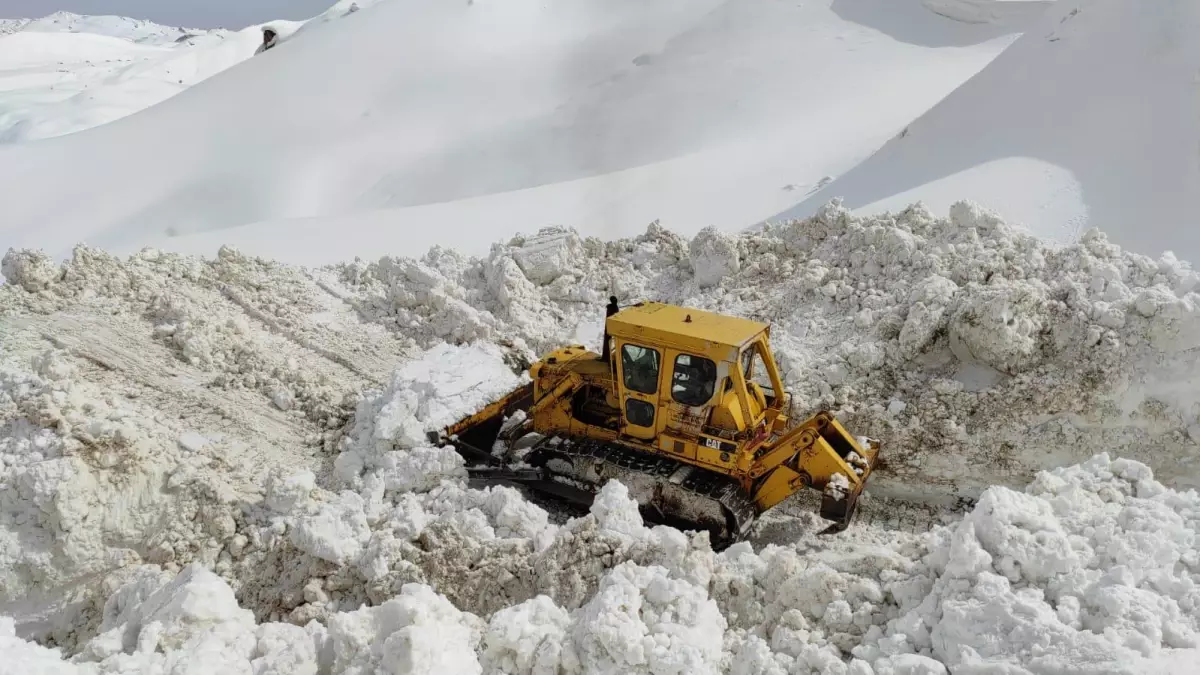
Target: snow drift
(1089, 120)
(212, 461)
(614, 112)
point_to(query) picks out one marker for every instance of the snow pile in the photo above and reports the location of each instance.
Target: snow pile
(91, 482)
(142, 402)
(979, 353)
(1090, 570)
(976, 353)
(1065, 577)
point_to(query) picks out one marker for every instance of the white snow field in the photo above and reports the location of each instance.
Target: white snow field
(65, 73)
(218, 466)
(412, 116)
(1089, 120)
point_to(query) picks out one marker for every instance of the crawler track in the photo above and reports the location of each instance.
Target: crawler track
(694, 498)
(668, 492)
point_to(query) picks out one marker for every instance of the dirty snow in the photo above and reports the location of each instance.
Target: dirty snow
(161, 510)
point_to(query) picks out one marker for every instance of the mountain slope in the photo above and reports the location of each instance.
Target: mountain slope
(1089, 120)
(412, 103)
(65, 72)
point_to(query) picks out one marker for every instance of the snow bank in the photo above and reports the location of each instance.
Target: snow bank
(1090, 570)
(1071, 575)
(980, 353)
(977, 353)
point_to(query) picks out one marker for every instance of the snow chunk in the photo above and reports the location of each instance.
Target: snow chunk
(1000, 326)
(931, 300)
(548, 255)
(642, 621)
(446, 384)
(418, 631)
(526, 638)
(335, 531)
(31, 270)
(714, 255)
(149, 614)
(286, 492)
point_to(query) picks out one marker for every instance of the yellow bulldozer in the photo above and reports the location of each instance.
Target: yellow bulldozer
(687, 409)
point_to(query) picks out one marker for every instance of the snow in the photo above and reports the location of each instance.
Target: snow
(160, 510)
(65, 73)
(222, 463)
(617, 113)
(135, 30)
(1088, 120)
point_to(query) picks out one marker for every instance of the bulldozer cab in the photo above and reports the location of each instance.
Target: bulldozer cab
(695, 384)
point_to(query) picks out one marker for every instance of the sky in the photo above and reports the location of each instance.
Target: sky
(185, 13)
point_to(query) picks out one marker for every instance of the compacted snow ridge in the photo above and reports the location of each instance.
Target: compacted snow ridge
(220, 465)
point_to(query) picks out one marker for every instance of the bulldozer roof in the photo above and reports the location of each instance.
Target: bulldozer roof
(653, 321)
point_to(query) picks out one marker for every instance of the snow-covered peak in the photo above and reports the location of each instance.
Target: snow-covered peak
(134, 30)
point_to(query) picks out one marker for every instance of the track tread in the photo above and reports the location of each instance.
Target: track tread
(735, 503)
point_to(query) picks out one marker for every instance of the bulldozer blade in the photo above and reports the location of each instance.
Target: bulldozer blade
(474, 435)
(840, 511)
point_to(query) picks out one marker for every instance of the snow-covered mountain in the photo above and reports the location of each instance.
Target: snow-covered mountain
(412, 116)
(66, 73)
(1089, 120)
(135, 30)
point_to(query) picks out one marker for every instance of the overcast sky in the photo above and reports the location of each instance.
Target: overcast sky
(185, 13)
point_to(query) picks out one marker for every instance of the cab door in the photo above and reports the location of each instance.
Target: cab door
(640, 372)
(688, 399)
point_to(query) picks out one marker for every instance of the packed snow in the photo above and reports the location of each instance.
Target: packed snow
(221, 463)
(1087, 121)
(414, 123)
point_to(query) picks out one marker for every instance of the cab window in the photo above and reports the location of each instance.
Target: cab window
(755, 370)
(640, 366)
(694, 380)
